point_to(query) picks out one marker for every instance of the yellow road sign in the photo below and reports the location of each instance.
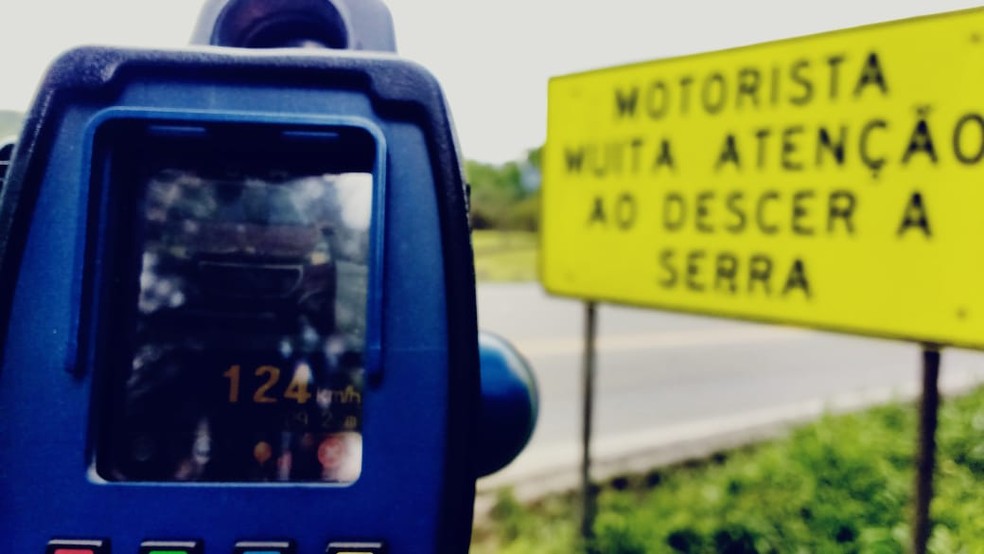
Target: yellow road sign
(833, 181)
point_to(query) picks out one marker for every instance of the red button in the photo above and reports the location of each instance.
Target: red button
(75, 551)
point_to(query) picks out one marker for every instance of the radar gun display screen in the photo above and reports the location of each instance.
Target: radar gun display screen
(238, 305)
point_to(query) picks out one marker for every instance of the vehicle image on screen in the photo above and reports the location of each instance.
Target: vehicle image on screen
(238, 249)
(239, 371)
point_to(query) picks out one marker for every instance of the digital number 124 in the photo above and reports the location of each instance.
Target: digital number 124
(297, 390)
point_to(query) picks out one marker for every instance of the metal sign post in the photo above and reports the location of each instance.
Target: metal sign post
(929, 405)
(588, 507)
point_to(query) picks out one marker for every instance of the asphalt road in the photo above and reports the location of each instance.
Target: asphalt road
(669, 382)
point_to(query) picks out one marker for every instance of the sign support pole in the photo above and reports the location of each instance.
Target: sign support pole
(926, 456)
(588, 507)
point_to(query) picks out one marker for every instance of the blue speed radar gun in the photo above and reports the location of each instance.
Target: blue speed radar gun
(237, 300)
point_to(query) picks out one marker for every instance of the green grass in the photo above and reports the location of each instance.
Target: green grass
(505, 255)
(843, 484)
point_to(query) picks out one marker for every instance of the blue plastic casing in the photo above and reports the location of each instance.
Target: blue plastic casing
(416, 488)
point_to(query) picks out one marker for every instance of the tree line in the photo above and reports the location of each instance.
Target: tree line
(506, 196)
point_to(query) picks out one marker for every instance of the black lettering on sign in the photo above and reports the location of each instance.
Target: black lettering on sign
(775, 89)
(626, 102)
(597, 212)
(766, 228)
(831, 146)
(749, 80)
(736, 209)
(693, 270)
(796, 279)
(729, 153)
(874, 163)
(789, 148)
(795, 82)
(921, 139)
(834, 63)
(726, 277)
(704, 212)
(636, 145)
(664, 157)
(871, 74)
(728, 274)
(915, 216)
(674, 211)
(669, 278)
(841, 206)
(714, 93)
(609, 159)
(762, 135)
(959, 143)
(575, 159)
(625, 211)
(685, 83)
(760, 270)
(798, 72)
(657, 100)
(600, 160)
(800, 212)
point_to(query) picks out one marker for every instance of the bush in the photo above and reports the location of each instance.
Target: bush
(842, 484)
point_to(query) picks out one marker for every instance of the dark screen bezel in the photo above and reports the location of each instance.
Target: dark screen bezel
(127, 151)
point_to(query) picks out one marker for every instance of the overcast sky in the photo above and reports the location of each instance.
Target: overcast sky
(493, 57)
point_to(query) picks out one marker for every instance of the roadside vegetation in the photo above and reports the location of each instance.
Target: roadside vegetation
(505, 255)
(505, 213)
(842, 484)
